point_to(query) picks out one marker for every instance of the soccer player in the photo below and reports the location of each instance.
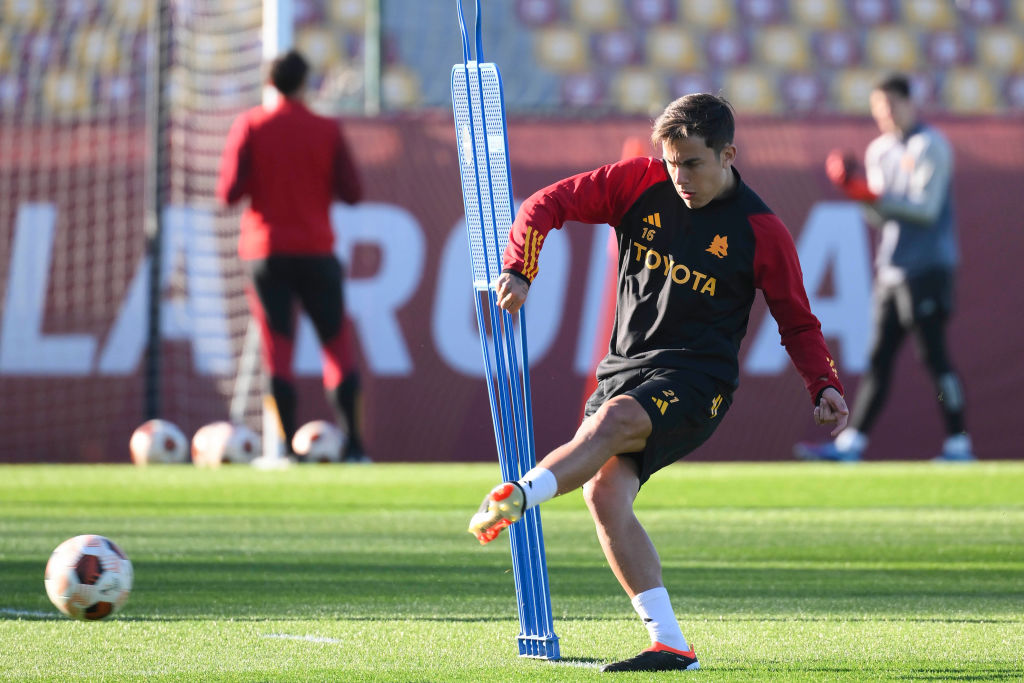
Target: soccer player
(291, 163)
(907, 194)
(695, 243)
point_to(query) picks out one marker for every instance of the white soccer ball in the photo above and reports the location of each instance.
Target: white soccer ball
(158, 441)
(223, 442)
(318, 441)
(88, 577)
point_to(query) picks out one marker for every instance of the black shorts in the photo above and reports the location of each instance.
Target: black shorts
(685, 408)
(316, 281)
(919, 297)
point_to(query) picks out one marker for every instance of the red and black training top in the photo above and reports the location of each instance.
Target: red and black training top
(686, 277)
(291, 163)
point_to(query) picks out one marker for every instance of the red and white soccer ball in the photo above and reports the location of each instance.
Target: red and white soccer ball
(318, 441)
(158, 441)
(88, 577)
(223, 442)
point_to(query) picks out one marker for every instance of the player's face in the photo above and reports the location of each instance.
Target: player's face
(891, 112)
(698, 174)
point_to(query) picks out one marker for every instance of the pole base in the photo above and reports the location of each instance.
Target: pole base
(539, 647)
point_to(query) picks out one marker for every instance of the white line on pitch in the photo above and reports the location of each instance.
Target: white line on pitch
(582, 665)
(308, 639)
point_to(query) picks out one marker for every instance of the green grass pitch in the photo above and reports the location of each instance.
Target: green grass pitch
(787, 571)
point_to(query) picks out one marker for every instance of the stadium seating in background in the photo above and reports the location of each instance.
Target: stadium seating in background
(597, 15)
(892, 48)
(802, 92)
(1001, 49)
(636, 89)
(707, 15)
(672, 49)
(851, 88)
(784, 47)
(1014, 92)
(752, 90)
(930, 15)
(819, 14)
(967, 90)
(67, 93)
(561, 49)
(574, 57)
(946, 48)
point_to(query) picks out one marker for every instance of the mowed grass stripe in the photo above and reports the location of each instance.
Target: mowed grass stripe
(778, 572)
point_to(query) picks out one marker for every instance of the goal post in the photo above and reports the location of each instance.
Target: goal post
(156, 124)
(278, 35)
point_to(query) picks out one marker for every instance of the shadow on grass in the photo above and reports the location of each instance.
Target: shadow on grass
(582, 662)
(872, 619)
(988, 673)
(170, 619)
(983, 674)
(629, 620)
(453, 588)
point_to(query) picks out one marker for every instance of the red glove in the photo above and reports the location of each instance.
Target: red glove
(841, 169)
(839, 166)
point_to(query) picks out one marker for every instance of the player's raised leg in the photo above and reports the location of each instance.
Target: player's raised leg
(620, 426)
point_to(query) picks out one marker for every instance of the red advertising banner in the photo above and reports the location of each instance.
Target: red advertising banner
(71, 374)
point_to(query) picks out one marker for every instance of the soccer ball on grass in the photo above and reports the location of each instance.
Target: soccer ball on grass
(158, 441)
(88, 577)
(318, 441)
(222, 443)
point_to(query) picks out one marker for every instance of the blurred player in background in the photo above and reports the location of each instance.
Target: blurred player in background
(907, 194)
(695, 243)
(291, 163)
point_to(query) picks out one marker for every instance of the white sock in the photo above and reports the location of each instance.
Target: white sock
(850, 440)
(539, 485)
(655, 608)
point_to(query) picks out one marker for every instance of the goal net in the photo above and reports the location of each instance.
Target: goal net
(214, 73)
(74, 276)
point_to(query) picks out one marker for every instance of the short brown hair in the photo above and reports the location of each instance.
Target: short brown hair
(698, 114)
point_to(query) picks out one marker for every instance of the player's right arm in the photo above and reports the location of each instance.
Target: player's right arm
(599, 196)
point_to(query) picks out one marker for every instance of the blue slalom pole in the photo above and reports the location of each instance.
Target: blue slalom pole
(487, 195)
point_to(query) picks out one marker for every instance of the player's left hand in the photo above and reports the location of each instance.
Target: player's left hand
(832, 409)
(511, 291)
